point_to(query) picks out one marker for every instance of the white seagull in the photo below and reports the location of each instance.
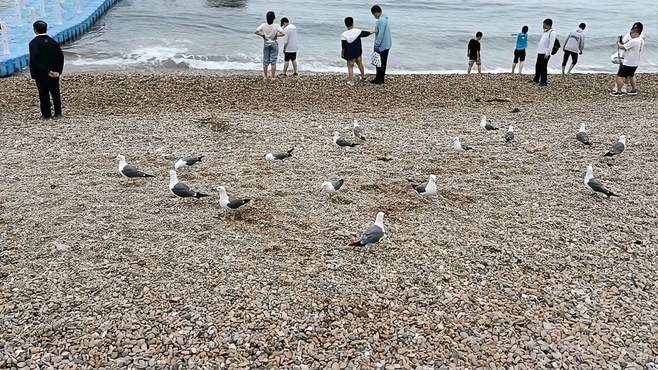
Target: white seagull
(595, 184)
(227, 201)
(617, 148)
(358, 131)
(279, 156)
(128, 171)
(332, 186)
(427, 188)
(187, 162)
(486, 125)
(181, 190)
(458, 147)
(582, 136)
(374, 234)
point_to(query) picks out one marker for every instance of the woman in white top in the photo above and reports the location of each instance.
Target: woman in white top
(632, 49)
(270, 32)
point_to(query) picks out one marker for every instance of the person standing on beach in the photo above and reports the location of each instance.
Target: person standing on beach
(290, 46)
(46, 66)
(573, 47)
(632, 50)
(383, 42)
(519, 51)
(544, 51)
(270, 32)
(350, 43)
(473, 52)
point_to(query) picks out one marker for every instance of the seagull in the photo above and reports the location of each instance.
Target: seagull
(617, 148)
(458, 147)
(486, 125)
(374, 233)
(187, 161)
(228, 201)
(595, 184)
(582, 135)
(509, 135)
(279, 156)
(341, 142)
(181, 190)
(332, 186)
(129, 171)
(427, 188)
(358, 131)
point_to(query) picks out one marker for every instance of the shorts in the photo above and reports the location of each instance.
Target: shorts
(290, 56)
(473, 60)
(270, 53)
(567, 54)
(519, 55)
(626, 71)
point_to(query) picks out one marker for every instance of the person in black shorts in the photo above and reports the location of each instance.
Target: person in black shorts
(473, 52)
(519, 50)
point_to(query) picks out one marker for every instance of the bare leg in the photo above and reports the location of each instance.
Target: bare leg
(479, 68)
(633, 83)
(470, 65)
(350, 70)
(265, 67)
(513, 67)
(285, 68)
(274, 71)
(520, 67)
(620, 83)
(294, 66)
(362, 69)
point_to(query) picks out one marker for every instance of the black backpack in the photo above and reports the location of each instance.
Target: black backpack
(556, 46)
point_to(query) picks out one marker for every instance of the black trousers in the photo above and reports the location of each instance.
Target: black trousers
(541, 68)
(49, 87)
(381, 71)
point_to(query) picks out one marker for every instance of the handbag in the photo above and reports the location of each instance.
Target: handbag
(376, 59)
(618, 57)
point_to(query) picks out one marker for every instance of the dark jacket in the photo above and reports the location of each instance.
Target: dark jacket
(45, 56)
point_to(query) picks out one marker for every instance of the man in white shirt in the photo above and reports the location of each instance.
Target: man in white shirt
(270, 32)
(632, 49)
(544, 51)
(290, 46)
(573, 46)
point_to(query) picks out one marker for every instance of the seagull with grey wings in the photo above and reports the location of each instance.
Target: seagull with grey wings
(582, 136)
(374, 234)
(182, 190)
(458, 147)
(129, 171)
(341, 142)
(358, 131)
(332, 186)
(278, 156)
(187, 162)
(509, 135)
(617, 148)
(485, 124)
(427, 188)
(596, 184)
(228, 201)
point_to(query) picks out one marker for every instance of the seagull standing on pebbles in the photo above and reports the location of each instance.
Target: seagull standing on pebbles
(358, 131)
(279, 156)
(582, 135)
(486, 125)
(458, 147)
(332, 186)
(374, 234)
(617, 148)
(509, 135)
(230, 202)
(181, 190)
(341, 142)
(128, 171)
(595, 184)
(428, 188)
(187, 162)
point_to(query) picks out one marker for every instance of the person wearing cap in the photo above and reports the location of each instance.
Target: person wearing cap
(46, 65)
(632, 51)
(544, 50)
(573, 46)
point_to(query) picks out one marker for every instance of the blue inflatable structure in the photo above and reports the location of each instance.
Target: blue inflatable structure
(67, 20)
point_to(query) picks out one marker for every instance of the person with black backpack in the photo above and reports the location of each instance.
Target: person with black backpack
(548, 45)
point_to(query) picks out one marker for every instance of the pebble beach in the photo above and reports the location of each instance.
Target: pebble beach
(513, 265)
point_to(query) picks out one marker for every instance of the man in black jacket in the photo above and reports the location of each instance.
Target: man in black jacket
(46, 65)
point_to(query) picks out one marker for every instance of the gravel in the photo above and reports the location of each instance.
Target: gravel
(514, 265)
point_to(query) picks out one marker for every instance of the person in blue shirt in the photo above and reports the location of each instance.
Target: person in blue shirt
(383, 42)
(519, 52)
